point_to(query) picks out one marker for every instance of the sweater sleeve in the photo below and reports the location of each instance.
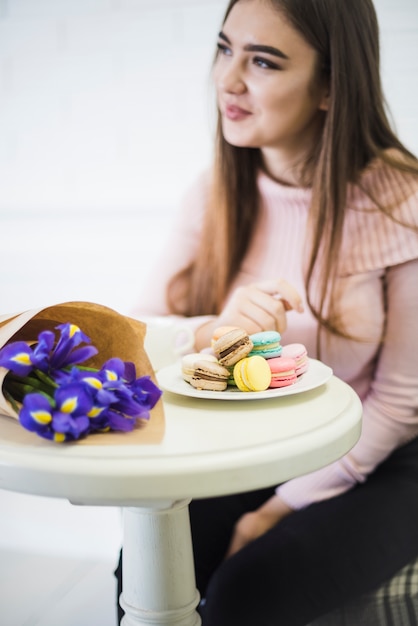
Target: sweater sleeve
(390, 409)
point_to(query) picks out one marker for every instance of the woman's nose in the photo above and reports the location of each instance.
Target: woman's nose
(230, 77)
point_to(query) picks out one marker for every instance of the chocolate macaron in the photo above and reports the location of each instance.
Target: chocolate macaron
(209, 376)
(232, 347)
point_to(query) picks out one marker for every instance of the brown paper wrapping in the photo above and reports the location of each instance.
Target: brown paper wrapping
(113, 334)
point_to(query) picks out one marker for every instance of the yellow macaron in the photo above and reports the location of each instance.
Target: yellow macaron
(252, 374)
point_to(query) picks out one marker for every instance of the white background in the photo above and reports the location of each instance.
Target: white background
(105, 119)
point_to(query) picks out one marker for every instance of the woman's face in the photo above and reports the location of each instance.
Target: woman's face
(265, 77)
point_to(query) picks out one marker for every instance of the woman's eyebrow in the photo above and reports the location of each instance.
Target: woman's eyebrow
(258, 48)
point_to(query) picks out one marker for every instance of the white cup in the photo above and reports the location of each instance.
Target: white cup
(166, 339)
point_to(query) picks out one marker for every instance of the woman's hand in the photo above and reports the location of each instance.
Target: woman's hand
(261, 306)
(256, 307)
(256, 523)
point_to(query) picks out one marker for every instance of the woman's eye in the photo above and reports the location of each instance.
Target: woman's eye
(265, 64)
(223, 49)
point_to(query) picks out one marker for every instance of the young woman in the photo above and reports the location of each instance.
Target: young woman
(308, 224)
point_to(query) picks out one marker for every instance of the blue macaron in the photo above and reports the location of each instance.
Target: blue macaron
(266, 344)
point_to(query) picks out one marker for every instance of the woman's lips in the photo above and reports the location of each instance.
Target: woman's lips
(235, 113)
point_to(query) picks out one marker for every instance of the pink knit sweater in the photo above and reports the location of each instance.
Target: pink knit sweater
(379, 294)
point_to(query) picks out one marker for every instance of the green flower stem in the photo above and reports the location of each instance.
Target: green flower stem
(28, 384)
(45, 378)
(15, 406)
(18, 390)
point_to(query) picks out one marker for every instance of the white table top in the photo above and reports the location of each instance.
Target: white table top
(209, 447)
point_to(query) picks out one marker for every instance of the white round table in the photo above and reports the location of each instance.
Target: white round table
(208, 447)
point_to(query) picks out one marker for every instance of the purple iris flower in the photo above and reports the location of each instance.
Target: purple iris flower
(65, 353)
(74, 401)
(22, 359)
(64, 418)
(112, 373)
(146, 393)
(36, 413)
(138, 398)
(130, 372)
(42, 350)
(69, 426)
(17, 357)
(135, 397)
(92, 381)
(73, 398)
(119, 421)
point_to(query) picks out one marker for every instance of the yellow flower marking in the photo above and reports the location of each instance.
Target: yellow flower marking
(59, 437)
(22, 358)
(93, 382)
(95, 411)
(111, 375)
(42, 417)
(69, 405)
(73, 330)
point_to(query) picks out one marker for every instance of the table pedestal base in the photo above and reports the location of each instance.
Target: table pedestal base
(159, 586)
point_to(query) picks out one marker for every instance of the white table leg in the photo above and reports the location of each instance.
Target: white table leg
(159, 586)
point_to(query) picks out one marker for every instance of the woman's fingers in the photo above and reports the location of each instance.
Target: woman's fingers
(261, 306)
(281, 289)
(267, 312)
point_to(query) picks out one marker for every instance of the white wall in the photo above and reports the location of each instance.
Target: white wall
(104, 121)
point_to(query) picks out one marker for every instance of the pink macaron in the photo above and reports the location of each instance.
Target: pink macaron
(298, 352)
(283, 371)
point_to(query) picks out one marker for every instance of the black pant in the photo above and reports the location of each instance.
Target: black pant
(312, 561)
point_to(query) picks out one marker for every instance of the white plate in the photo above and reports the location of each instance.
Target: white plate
(170, 379)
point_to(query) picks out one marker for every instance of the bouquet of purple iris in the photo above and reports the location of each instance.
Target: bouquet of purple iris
(54, 390)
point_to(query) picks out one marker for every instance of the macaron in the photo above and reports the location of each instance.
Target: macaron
(209, 376)
(231, 379)
(283, 371)
(188, 363)
(232, 346)
(266, 344)
(252, 374)
(298, 352)
(221, 330)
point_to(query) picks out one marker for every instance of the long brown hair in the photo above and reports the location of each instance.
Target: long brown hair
(355, 131)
